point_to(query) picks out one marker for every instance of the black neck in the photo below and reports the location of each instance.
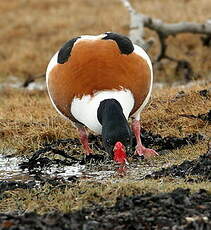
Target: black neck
(114, 124)
(110, 112)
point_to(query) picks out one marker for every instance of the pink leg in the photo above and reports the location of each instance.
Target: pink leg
(140, 149)
(84, 139)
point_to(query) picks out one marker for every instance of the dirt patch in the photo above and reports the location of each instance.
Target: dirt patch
(199, 167)
(176, 210)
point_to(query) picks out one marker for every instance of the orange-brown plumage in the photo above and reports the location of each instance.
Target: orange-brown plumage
(98, 82)
(96, 65)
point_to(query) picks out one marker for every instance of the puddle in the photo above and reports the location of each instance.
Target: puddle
(57, 161)
(9, 168)
(10, 171)
(101, 175)
(65, 171)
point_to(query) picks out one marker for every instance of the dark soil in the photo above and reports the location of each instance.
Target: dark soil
(199, 167)
(176, 210)
(11, 185)
(160, 143)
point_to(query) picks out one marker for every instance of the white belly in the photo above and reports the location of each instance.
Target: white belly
(85, 109)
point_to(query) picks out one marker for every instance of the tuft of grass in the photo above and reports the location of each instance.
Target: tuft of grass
(28, 117)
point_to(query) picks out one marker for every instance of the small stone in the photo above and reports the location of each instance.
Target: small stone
(205, 92)
(180, 94)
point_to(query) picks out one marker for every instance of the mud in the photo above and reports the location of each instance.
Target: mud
(177, 210)
(61, 162)
(66, 152)
(200, 167)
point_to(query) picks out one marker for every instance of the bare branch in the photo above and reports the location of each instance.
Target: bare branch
(175, 28)
(206, 40)
(138, 21)
(127, 5)
(163, 47)
(136, 33)
(163, 28)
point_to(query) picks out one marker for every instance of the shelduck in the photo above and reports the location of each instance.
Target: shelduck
(98, 82)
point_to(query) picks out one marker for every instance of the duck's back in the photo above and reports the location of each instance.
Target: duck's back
(95, 66)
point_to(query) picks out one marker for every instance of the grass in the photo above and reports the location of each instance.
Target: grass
(163, 115)
(84, 194)
(32, 31)
(29, 117)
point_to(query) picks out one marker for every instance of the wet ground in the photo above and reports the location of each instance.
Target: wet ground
(59, 163)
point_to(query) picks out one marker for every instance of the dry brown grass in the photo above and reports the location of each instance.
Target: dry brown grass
(163, 114)
(32, 31)
(29, 118)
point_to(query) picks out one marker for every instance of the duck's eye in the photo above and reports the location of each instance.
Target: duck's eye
(108, 141)
(128, 139)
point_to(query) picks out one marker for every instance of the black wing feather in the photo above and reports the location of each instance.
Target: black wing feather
(124, 43)
(65, 51)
